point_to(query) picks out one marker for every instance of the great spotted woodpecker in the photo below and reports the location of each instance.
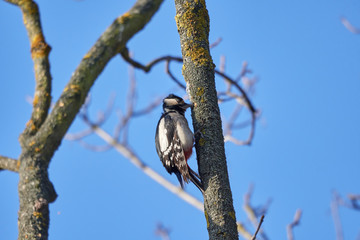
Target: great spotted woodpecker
(174, 140)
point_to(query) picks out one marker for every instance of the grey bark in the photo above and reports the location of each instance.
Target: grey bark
(193, 25)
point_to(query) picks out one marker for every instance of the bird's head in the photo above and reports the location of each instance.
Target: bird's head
(175, 103)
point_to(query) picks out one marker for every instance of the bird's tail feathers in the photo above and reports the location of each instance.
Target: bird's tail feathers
(195, 178)
(178, 175)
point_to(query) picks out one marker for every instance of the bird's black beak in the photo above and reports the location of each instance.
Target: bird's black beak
(187, 105)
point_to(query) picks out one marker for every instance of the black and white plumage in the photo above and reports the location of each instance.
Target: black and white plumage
(174, 140)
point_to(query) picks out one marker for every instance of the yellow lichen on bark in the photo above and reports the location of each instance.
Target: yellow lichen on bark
(195, 22)
(39, 48)
(36, 99)
(37, 214)
(202, 142)
(200, 91)
(18, 165)
(232, 215)
(124, 18)
(88, 55)
(207, 219)
(74, 88)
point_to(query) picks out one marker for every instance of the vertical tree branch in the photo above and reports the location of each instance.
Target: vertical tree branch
(192, 20)
(40, 55)
(294, 223)
(334, 207)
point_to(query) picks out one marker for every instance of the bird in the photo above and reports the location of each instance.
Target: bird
(174, 141)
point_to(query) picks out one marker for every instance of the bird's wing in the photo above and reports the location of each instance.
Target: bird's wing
(179, 158)
(164, 136)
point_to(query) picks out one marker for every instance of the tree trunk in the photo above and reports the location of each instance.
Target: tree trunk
(192, 20)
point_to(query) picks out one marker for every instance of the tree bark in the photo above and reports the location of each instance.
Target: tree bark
(192, 20)
(44, 132)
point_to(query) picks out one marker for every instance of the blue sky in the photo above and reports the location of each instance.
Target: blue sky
(307, 142)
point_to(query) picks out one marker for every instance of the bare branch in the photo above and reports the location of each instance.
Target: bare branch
(244, 70)
(146, 68)
(252, 213)
(258, 227)
(355, 201)
(217, 42)
(95, 148)
(102, 117)
(248, 141)
(10, 164)
(230, 123)
(243, 231)
(40, 55)
(78, 136)
(349, 26)
(234, 83)
(147, 109)
(162, 231)
(130, 104)
(167, 69)
(294, 223)
(336, 217)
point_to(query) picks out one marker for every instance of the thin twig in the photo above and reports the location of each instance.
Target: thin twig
(243, 72)
(95, 147)
(294, 223)
(147, 109)
(258, 227)
(217, 42)
(40, 50)
(349, 26)
(230, 124)
(79, 135)
(162, 231)
(130, 104)
(336, 216)
(147, 68)
(234, 83)
(248, 141)
(167, 70)
(355, 201)
(243, 231)
(251, 213)
(102, 117)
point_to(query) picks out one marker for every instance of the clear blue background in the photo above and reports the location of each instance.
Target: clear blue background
(307, 142)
